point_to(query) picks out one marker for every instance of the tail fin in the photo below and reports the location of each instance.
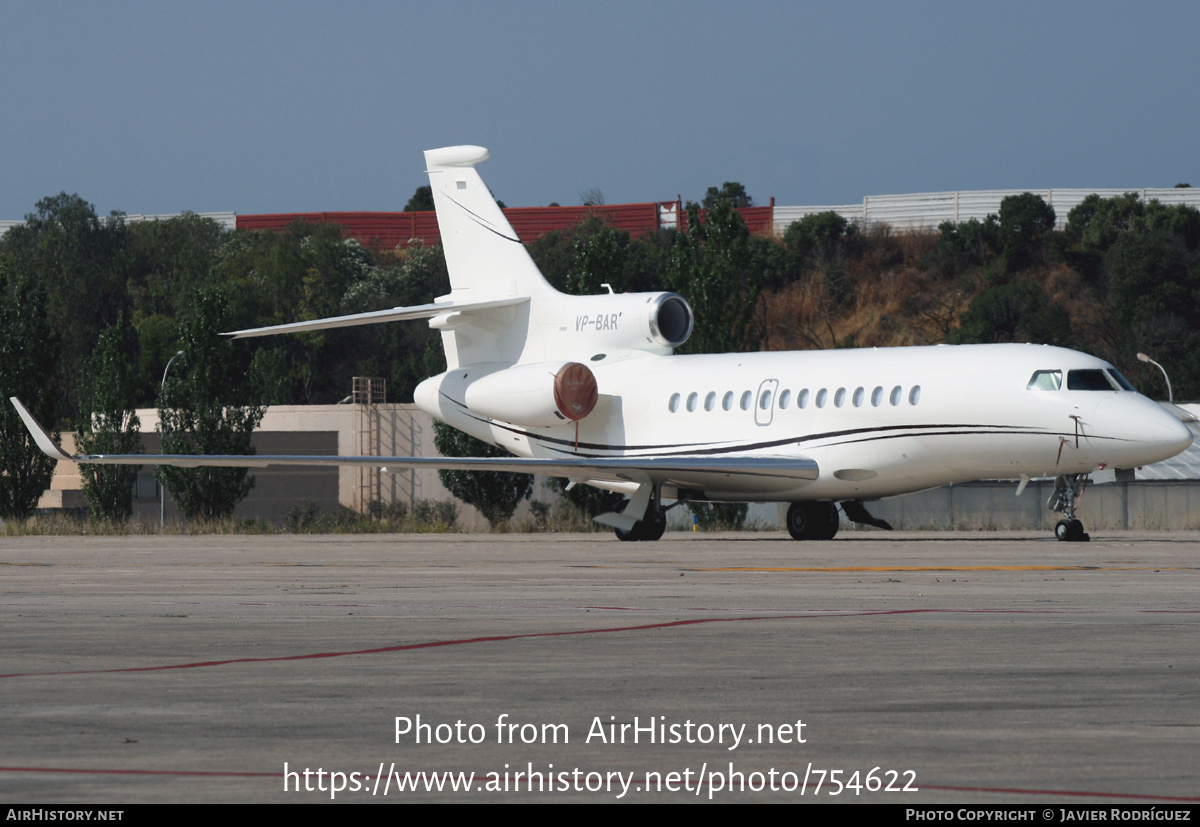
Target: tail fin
(483, 254)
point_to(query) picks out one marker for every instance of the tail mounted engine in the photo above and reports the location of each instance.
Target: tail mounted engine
(542, 394)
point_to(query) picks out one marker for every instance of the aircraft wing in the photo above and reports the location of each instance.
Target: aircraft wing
(685, 471)
(395, 314)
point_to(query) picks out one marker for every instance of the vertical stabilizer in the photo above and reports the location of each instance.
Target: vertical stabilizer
(483, 254)
(485, 259)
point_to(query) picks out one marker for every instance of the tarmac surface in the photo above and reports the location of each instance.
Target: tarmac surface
(975, 667)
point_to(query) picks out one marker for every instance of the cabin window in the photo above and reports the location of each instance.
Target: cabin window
(727, 402)
(877, 397)
(859, 396)
(673, 405)
(822, 396)
(1121, 380)
(710, 401)
(746, 397)
(764, 401)
(802, 399)
(839, 398)
(784, 398)
(897, 393)
(691, 403)
(1089, 380)
(914, 395)
(1045, 380)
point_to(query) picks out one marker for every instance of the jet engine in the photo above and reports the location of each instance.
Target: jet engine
(541, 394)
(655, 322)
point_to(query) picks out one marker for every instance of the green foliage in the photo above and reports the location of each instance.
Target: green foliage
(421, 201)
(965, 245)
(109, 425)
(730, 191)
(1025, 220)
(820, 234)
(196, 417)
(75, 260)
(719, 516)
(711, 267)
(28, 353)
(1096, 223)
(1016, 312)
(600, 258)
(495, 494)
(306, 517)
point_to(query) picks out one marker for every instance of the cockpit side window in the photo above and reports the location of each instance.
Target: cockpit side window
(1121, 380)
(1045, 380)
(1089, 380)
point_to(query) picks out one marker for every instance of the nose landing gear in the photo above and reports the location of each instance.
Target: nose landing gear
(1068, 489)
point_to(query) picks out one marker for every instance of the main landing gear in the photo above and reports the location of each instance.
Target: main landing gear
(1067, 491)
(812, 521)
(653, 522)
(649, 528)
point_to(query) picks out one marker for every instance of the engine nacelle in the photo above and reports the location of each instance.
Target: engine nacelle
(542, 394)
(636, 321)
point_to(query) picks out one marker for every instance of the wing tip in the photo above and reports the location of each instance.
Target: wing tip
(42, 439)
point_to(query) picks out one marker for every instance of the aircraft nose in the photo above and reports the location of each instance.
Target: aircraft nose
(1151, 432)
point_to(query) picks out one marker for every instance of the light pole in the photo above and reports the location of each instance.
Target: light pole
(162, 491)
(1144, 358)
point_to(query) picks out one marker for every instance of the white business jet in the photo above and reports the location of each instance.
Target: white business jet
(586, 387)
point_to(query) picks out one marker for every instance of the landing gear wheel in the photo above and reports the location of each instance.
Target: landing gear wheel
(1068, 490)
(649, 529)
(1071, 531)
(812, 521)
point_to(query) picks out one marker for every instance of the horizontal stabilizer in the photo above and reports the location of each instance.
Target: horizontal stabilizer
(396, 314)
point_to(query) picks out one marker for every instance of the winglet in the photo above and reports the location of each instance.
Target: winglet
(43, 439)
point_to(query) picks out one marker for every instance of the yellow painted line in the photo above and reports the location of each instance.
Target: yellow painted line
(884, 569)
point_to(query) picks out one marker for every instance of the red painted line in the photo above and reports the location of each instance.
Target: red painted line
(1076, 793)
(142, 772)
(502, 638)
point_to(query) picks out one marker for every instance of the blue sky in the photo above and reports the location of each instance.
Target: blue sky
(297, 106)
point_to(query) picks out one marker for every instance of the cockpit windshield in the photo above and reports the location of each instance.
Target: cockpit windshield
(1095, 379)
(1090, 380)
(1045, 380)
(1121, 380)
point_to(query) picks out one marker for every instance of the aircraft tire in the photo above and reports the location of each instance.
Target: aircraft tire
(1071, 531)
(1078, 535)
(653, 527)
(812, 521)
(1062, 531)
(647, 530)
(799, 522)
(832, 521)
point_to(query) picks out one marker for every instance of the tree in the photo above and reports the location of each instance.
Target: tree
(108, 425)
(600, 258)
(1024, 220)
(710, 266)
(193, 419)
(494, 493)
(76, 260)
(818, 233)
(1016, 312)
(421, 201)
(730, 191)
(28, 353)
